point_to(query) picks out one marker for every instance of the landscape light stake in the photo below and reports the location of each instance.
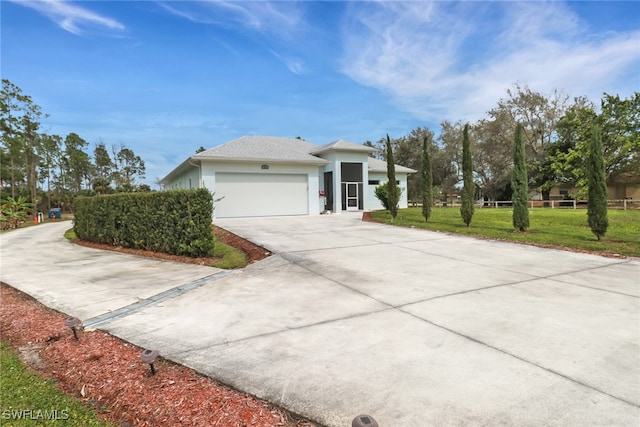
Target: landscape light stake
(73, 323)
(149, 356)
(364, 421)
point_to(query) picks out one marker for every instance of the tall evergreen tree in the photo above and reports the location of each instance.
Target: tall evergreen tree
(469, 189)
(519, 184)
(597, 198)
(427, 180)
(393, 195)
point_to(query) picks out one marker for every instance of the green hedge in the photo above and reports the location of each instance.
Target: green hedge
(173, 222)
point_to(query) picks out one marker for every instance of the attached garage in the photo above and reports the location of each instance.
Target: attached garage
(257, 194)
(255, 176)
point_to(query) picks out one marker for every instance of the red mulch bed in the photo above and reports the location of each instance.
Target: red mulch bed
(107, 375)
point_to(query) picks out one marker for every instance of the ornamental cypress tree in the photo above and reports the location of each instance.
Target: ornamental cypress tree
(427, 180)
(468, 191)
(392, 191)
(597, 198)
(520, 195)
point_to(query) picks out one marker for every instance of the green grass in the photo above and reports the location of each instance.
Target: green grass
(563, 228)
(231, 257)
(23, 390)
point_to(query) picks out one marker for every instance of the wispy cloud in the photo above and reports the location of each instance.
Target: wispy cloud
(295, 65)
(278, 18)
(446, 60)
(72, 18)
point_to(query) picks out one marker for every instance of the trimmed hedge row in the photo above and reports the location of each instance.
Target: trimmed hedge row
(174, 222)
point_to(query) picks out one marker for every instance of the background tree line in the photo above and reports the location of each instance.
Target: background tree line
(556, 134)
(48, 170)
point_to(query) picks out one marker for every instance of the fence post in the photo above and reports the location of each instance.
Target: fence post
(574, 203)
(624, 202)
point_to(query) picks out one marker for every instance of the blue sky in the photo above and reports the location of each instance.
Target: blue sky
(166, 77)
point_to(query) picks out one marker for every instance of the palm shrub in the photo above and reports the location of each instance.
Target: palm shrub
(597, 191)
(519, 185)
(14, 211)
(468, 190)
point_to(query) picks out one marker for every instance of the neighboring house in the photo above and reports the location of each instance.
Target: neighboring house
(267, 176)
(626, 186)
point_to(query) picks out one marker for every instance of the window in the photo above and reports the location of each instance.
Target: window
(374, 182)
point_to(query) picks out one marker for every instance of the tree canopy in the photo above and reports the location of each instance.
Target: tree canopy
(556, 135)
(47, 169)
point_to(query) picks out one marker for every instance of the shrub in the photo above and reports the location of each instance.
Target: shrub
(597, 200)
(173, 222)
(382, 193)
(468, 189)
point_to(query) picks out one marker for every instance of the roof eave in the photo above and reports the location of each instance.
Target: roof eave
(318, 162)
(187, 162)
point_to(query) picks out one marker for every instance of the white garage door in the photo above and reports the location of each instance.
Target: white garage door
(249, 194)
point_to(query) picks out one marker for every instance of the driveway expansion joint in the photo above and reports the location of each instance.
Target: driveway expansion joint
(522, 359)
(154, 299)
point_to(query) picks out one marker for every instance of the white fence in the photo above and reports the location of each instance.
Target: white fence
(623, 204)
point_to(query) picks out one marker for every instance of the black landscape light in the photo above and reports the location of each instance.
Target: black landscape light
(73, 323)
(364, 421)
(148, 357)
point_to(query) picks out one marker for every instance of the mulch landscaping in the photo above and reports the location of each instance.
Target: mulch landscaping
(106, 373)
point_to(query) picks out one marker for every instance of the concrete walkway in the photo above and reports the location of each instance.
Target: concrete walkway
(413, 327)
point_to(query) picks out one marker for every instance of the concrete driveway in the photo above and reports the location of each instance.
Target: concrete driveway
(413, 327)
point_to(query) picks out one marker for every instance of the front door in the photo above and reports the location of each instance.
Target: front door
(352, 196)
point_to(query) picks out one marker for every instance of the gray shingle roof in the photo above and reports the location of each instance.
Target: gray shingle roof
(342, 145)
(258, 147)
(376, 165)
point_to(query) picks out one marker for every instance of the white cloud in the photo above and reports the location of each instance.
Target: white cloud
(454, 61)
(279, 18)
(71, 18)
(295, 65)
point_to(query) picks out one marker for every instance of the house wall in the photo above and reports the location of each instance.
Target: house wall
(336, 158)
(372, 200)
(624, 191)
(614, 191)
(189, 178)
(314, 179)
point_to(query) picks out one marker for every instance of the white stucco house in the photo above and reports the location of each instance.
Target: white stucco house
(268, 176)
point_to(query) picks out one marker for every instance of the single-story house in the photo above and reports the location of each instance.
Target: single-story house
(268, 176)
(624, 186)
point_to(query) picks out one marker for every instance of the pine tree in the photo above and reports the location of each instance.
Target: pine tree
(597, 198)
(519, 185)
(392, 192)
(427, 180)
(468, 191)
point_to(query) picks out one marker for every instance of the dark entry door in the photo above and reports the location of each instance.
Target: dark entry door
(328, 191)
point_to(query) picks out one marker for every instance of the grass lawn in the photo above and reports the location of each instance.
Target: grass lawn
(563, 228)
(27, 399)
(231, 257)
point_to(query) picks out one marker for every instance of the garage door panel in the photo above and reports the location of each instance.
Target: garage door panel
(261, 195)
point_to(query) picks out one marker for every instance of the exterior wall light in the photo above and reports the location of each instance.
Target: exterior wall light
(148, 357)
(73, 323)
(364, 421)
